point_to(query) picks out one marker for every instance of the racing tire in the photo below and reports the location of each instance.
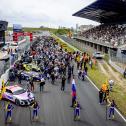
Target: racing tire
(17, 102)
(22, 76)
(33, 69)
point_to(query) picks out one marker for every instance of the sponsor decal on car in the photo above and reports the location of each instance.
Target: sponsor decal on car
(9, 97)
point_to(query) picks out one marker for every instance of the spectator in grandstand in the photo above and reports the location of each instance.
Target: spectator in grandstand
(113, 34)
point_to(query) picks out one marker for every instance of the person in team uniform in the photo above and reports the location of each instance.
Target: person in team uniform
(9, 108)
(35, 107)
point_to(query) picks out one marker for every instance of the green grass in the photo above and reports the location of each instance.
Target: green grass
(97, 76)
(64, 44)
(106, 58)
(9, 28)
(118, 94)
(105, 67)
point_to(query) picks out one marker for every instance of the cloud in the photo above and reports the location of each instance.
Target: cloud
(35, 13)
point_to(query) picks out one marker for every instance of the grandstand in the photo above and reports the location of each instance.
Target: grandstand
(111, 34)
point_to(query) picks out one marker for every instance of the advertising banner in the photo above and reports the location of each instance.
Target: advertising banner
(17, 28)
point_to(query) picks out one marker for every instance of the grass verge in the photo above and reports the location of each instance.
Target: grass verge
(64, 44)
(118, 94)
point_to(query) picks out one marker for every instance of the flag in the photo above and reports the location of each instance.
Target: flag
(74, 94)
(73, 86)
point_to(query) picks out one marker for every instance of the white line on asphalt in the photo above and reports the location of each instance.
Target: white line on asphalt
(92, 83)
(109, 101)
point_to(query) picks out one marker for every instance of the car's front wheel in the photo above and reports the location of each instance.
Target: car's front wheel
(33, 69)
(17, 102)
(22, 76)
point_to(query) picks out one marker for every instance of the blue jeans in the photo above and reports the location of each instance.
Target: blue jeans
(77, 112)
(9, 113)
(35, 113)
(111, 111)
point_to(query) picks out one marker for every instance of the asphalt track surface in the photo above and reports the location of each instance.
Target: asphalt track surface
(55, 108)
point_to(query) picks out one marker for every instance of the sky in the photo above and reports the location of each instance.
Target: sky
(48, 13)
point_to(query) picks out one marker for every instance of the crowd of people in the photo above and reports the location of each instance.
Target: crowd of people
(58, 64)
(112, 34)
(55, 64)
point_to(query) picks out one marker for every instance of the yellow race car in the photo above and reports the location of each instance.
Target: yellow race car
(31, 67)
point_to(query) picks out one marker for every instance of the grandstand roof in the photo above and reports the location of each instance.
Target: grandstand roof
(105, 11)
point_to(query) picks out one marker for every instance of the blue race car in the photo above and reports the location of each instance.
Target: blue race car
(26, 75)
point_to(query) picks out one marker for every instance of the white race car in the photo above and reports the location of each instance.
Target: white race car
(98, 55)
(18, 95)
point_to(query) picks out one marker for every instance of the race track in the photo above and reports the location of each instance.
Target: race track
(55, 108)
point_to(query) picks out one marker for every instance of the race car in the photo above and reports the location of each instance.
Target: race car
(18, 95)
(98, 55)
(31, 67)
(26, 75)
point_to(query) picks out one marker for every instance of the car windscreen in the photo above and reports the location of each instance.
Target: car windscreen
(98, 53)
(21, 91)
